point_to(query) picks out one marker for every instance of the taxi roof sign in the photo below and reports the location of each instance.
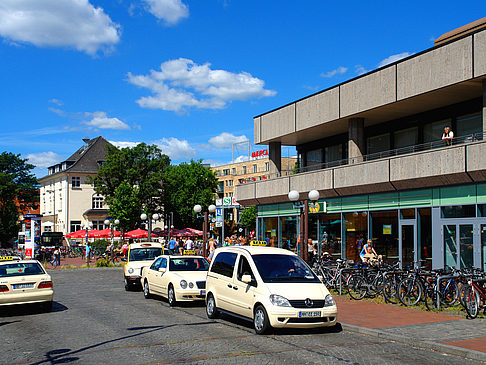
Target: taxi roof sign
(9, 258)
(258, 243)
(189, 252)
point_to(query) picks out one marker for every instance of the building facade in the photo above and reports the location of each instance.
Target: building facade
(372, 147)
(68, 201)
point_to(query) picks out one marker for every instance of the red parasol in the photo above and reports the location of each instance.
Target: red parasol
(137, 233)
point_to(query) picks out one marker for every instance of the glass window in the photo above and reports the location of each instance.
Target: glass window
(224, 264)
(407, 213)
(433, 131)
(76, 182)
(333, 153)
(244, 170)
(385, 234)
(97, 202)
(144, 254)
(245, 269)
(255, 168)
(188, 264)
(75, 226)
(466, 245)
(314, 157)
(459, 211)
(483, 246)
(482, 210)
(233, 171)
(379, 143)
(271, 231)
(330, 234)
(406, 137)
(450, 247)
(469, 124)
(21, 269)
(289, 233)
(283, 269)
(267, 166)
(164, 263)
(156, 264)
(425, 237)
(356, 226)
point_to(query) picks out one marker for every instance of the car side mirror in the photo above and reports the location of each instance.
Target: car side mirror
(162, 269)
(124, 259)
(246, 279)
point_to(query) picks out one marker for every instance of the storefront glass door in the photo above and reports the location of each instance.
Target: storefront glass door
(458, 240)
(483, 246)
(407, 244)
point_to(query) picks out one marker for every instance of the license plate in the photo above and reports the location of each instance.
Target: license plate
(202, 292)
(23, 286)
(309, 314)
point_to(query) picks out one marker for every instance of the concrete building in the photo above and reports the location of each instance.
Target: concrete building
(372, 147)
(67, 199)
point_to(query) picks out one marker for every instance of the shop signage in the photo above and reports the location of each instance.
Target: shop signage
(319, 207)
(219, 223)
(387, 229)
(258, 243)
(259, 153)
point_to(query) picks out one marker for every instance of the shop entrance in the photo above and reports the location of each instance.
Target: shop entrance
(407, 242)
(462, 243)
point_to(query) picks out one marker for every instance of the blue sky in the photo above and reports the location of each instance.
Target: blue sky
(188, 75)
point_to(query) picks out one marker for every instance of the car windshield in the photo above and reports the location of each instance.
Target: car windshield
(283, 268)
(144, 254)
(21, 269)
(188, 264)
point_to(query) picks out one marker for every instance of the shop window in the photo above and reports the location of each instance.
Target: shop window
(469, 124)
(483, 246)
(75, 226)
(356, 230)
(482, 210)
(379, 143)
(458, 211)
(406, 137)
(289, 233)
(271, 231)
(407, 213)
(75, 182)
(433, 131)
(330, 234)
(425, 237)
(385, 234)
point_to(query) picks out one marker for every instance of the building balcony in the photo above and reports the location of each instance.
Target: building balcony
(419, 166)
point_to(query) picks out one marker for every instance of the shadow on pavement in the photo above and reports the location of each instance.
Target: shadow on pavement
(62, 356)
(30, 309)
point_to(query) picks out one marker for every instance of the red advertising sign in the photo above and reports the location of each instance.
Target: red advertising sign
(259, 153)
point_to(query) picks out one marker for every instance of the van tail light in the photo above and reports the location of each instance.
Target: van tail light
(45, 285)
(3, 288)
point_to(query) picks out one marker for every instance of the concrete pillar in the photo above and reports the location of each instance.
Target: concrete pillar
(484, 106)
(275, 157)
(356, 144)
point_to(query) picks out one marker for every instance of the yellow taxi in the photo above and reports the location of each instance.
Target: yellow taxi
(139, 255)
(24, 282)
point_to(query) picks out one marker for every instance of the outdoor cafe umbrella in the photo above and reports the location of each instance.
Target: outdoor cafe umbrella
(107, 233)
(137, 233)
(77, 234)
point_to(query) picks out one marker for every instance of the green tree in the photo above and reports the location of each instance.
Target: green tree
(248, 218)
(186, 185)
(124, 205)
(18, 185)
(142, 166)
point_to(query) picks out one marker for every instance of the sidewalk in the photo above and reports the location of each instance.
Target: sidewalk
(437, 331)
(72, 262)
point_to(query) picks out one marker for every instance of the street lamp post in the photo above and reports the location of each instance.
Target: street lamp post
(149, 217)
(304, 217)
(112, 225)
(170, 224)
(197, 210)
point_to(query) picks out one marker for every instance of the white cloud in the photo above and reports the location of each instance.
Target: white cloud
(176, 149)
(338, 71)
(241, 158)
(56, 101)
(226, 140)
(123, 144)
(58, 23)
(44, 159)
(183, 84)
(394, 58)
(101, 120)
(360, 70)
(170, 11)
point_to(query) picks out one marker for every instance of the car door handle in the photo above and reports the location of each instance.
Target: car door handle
(229, 286)
(235, 288)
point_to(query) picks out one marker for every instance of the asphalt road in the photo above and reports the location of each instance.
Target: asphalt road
(94, 321)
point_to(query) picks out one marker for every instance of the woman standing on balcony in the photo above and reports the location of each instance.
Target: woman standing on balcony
(448, 135)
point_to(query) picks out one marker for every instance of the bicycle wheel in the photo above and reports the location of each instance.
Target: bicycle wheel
(390, 291)
(409, 291)
(448, 292)
(462, 294)
(376, 286)
(472, 303)
(357, 287)
(430, 296)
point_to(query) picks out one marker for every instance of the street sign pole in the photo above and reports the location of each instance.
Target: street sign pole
(222, 228)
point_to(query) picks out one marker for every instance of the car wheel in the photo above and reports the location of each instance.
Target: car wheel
(146, 290)
(260, 321)
(171, 296)
(211, 309)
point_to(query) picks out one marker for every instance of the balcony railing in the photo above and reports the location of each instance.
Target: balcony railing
(374, 156)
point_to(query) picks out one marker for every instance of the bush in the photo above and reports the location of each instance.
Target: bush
(102, 262)
(99, 246)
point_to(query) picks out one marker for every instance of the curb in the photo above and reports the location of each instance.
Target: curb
(415, 342)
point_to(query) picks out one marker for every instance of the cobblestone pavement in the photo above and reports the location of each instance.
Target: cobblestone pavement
(95, 321)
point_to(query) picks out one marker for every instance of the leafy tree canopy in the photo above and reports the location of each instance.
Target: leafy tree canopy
(186, 185)
(17, 183)
(248, 218)
(124, 205)
(142, 166)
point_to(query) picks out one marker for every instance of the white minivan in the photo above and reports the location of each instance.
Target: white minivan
(272, 287)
